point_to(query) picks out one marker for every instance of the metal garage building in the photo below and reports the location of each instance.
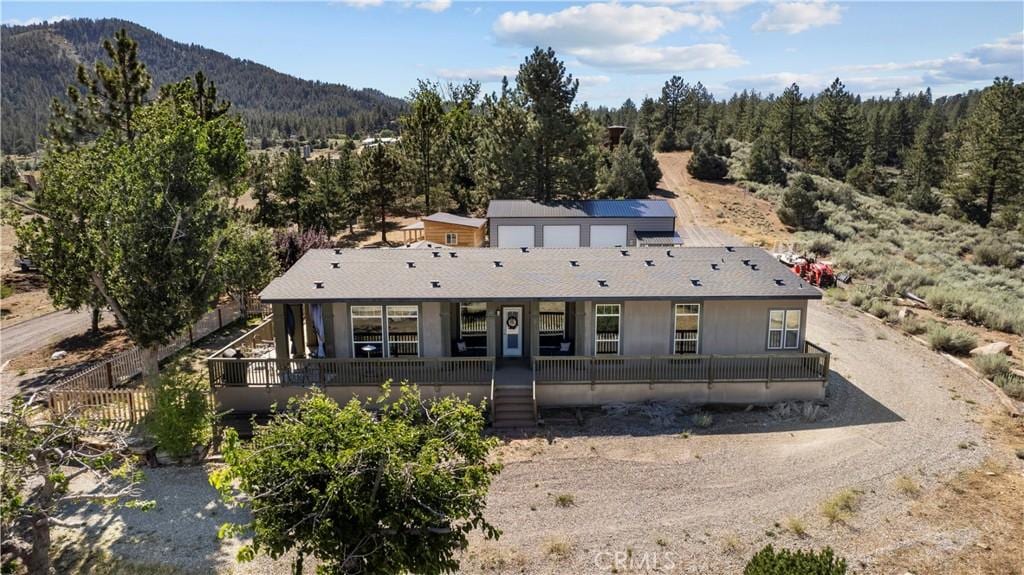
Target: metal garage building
(584, 223)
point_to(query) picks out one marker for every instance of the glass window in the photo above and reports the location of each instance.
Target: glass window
(403, 330)
(552, 318)
(367, 331)
(606, 328)
(687, 331)
(451, 238)
(473, 325)
(784, 329)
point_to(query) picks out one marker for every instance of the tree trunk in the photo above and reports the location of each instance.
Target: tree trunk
(383, 225)
(38, 562)
(151, 365)
(95, 328)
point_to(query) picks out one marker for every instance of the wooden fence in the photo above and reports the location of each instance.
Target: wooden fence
(125, 366)
(113, 407)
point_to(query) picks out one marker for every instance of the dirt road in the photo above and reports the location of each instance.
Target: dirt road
(37, 332)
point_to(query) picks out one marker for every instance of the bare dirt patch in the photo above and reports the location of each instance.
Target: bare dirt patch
(719, 204)
(28, 298)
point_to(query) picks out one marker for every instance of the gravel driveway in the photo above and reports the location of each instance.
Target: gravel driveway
(702, 503)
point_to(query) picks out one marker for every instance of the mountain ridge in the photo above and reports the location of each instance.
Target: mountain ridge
(39, 63)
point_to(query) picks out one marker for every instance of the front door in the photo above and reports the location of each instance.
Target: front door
(511, 331)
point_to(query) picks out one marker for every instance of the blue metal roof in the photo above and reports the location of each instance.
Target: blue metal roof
(580, 209)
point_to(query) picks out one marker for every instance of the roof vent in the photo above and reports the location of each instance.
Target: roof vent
(525, 249)
(574, 263)
(436, 254)
(730, 249)
(435, 284)
(624, 252)
(753, 267)
(335, 265)
(337, 251)
(714, 266)
(602, 283)
(669, 253)
(318, 285)
(410, 264)
(649, 263)
(779, 282)
(695, 282)
(453, 254)
(497, 264)
(746, 262)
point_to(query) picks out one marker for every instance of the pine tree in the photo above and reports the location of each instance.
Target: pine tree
(765, 163)
(799, 206)
(9, 176)
(504, 147)
(926, 160)
(423, 133)
(788, 121)
(835, 135)
(291, 186)
(380, 183)
(624, 177)
(989, 169)
(648, 163)
(673, 98)
(647, 121)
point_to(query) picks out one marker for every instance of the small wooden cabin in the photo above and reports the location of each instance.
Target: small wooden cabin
(451, 230)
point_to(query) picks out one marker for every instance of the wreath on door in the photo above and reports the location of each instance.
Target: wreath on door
(512, 322)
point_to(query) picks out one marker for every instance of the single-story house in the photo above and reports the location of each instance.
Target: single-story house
(453, 230)
(552, 327)
(584, 223)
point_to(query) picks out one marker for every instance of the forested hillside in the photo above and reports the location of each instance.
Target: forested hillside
(39, 63)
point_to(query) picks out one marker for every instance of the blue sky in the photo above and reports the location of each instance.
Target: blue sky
(617, 50)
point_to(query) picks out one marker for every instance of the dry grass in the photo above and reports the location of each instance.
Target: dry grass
(841, 506)
(492, 557)
(731, 544)
(557, 547)
(565, 500)
(906, 485)
(796, 526)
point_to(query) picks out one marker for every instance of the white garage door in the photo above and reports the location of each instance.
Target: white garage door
(561, 236)
(515, 236)
(607, 236)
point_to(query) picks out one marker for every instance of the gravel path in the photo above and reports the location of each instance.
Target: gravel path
(702, 503)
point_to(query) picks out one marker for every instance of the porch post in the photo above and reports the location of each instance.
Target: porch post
(492, 329)
(446, 329)
(534, 328)
(280, 337)
(581, 335)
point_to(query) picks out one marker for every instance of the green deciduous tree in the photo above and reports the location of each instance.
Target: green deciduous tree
(246, 262)
(989, 166)
(140, 222)
(394, 490)
(765, 163)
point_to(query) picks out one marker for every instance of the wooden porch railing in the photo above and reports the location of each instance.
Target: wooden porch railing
(341, 372)
(812, 365)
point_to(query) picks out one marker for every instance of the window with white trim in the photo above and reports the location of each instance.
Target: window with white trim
(451, 239)
(403, 330)
(607, 322)
(687, 329)
(784, 329)
(367, 331)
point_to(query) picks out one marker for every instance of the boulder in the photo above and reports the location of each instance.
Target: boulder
(904, 313)
(994, 348)
(58, 355)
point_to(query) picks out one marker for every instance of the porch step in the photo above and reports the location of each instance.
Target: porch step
(513, 407)
(508, 423)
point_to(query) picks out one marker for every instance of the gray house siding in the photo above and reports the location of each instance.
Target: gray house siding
(632, 225)
(741, 327)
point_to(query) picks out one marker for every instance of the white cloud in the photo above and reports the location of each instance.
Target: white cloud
(434, 5)
(795, 17)
(595, 25)
(660, 59)
(589, 81)
(492, 74)
(35, 20)
(777, 82)
(362, 3)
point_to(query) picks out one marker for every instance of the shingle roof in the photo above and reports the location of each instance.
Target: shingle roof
(538, 273)
(580, 209)
(446, 218)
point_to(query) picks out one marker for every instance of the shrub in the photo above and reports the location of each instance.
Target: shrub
(703, 419)
(768, 561)
(707, 166)
(923, 199)
(795, 526)
(1012, 384)
(565, 500)
(992, 253)
(557, 547)
(951, 340)
(840, 506)
(182, 417)
(992, 366)
(880, 309)
(907, 486)
(913, 325)
(765, 162)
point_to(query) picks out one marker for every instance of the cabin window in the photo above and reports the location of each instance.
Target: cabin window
(403, 330)
(607, 320)
(784, 329)
(687, 332)
(367, 331)
(451, 239)
(473, 325)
